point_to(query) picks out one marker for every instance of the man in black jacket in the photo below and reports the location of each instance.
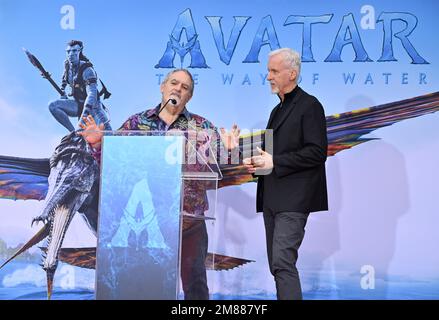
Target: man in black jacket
(296, 184)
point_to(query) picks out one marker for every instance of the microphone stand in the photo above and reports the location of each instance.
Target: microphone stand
(173, 101)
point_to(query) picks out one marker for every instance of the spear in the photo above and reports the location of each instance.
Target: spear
(44, 73)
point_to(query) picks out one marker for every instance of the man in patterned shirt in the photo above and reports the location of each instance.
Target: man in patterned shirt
(171, 114)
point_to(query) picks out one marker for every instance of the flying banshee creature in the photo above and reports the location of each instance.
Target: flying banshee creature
(71, 179)
(68, 181)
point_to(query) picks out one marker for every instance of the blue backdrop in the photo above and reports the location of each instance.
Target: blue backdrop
(379, 238)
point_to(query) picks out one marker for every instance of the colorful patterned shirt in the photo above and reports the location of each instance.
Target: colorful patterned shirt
(195, 198)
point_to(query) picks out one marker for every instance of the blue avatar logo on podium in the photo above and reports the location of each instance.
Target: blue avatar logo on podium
(139, 216)
(139, 222)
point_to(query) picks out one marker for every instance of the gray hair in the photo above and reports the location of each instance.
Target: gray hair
(290, 56)
(191, 89)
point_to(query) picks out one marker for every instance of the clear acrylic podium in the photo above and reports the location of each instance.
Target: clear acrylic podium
(157, 207)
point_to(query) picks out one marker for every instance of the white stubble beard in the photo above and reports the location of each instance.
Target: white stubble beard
(274, 89)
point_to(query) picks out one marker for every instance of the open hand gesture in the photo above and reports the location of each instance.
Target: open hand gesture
(92, 132)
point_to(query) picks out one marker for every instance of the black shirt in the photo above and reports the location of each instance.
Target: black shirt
(282, 108)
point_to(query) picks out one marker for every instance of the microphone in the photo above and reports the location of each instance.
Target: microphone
(173, 101)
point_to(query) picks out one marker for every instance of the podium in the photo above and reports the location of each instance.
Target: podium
(158, 192)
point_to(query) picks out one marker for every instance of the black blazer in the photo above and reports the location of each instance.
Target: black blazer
(298, 179)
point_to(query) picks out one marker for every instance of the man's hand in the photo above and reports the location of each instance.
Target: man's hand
(230, 139)
(92, 132)
(261, 164)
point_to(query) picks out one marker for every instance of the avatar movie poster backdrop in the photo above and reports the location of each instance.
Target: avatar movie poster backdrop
(372, 65)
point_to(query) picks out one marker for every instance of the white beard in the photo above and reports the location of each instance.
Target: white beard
(274, 90)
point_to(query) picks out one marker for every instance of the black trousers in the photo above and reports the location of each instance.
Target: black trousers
(284, 234)
(193, 262)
